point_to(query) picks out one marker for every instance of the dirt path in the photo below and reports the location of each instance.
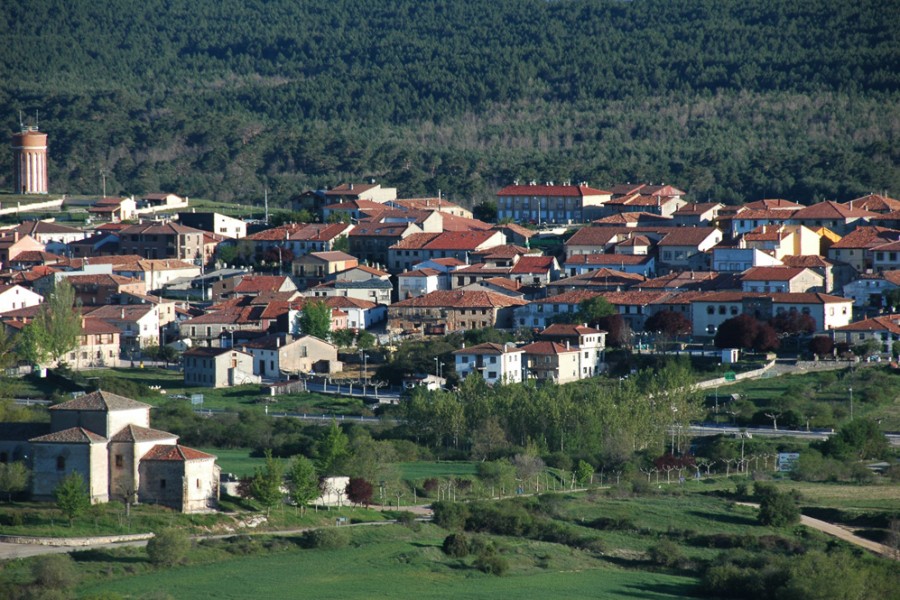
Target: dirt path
(841, 532)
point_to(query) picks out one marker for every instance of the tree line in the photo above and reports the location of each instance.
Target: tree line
(728, 100)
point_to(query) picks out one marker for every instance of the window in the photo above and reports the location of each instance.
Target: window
(198, 484)
(60, 463)
(710, 310)
(120, 461)
(162, 484)
(722, 310)
(465, 360)
(493, 360)
(492, 374)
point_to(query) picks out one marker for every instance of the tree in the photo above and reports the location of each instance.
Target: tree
(13, 478)
(669, 323)
(302, 482)
(821, 345)
(594, 309)
(365, 340)
(617, 330)
(778, 509)
(265, 487)
(766, 338)
(168, 547)
(341, 244)
(743, 331)
(858, 439)
(359, 491)
(793, 323)
(57, 326)
(72, 496)
(486, 211)
(332, 450)
(584, 472)
(343, 338)
(315, 320)
(488, 438)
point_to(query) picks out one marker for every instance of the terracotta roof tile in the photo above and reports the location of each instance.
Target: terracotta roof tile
(832, 210)
(100, 401)
(73, 435)
(461, 299)
(167, 452)
(771, 273)
(135, 433)
(548, 348)
(551, 190)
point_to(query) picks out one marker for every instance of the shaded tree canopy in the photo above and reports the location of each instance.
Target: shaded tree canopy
(294, 96)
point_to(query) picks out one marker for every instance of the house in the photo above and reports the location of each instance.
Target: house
(773, 204)
(701, 214)
(686, 248)
(533, 271)
(551, 361)
(53, 236)
(839, 218)
(495, 363)
(748, 219)
(590, 343)
(163, 240)
(579, 264)
(781, 279)
(12, 244)
(438, 204)
(633, 219)
(542, 312)
(782, 240)
(664, 201)
(108, 440)
(100, 243)
(218, 367)
(499, 285)
(25, 261)
(369, 242)
(351, 210)
(593, 240)
(638, 245)
(312, 268)
(708, 311)
(731, 259)
(160, 202)
(361, 191)
(876, 203)
(601, 280)
(636, 306)
(707, 281)
(359, 273)
(207, 329)
(256, 285)
(138, 323)
(114, 210)
(361, 314)
(444, 311)
(885, 257)
(214, 222)
(418, 247)
(375, 290)
(156, 274)
(550, 203)
(884, 329)
(835, 275)
(281, 354)
(869, 289)
(516, 234)
(317, 237)
(419, 282)
(94, 289)
(859, 247)
(13, 297)
(290, 322)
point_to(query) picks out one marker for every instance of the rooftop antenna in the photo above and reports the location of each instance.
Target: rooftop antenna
(103, 179)
(21, 122)
(266, 198)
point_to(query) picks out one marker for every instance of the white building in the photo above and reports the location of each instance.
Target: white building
(13, 297)
(709, 311)
(495, 363)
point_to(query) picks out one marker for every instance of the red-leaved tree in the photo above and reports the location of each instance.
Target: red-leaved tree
(359, 491)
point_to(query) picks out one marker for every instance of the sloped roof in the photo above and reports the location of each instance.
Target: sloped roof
(73, 435)
(488, 348)
(551, 190)
(460, 299)
(771, 273)
(875, 203)
(608, 259)
(100, 400)
(568, 330)
(135, 433)
(773, 204)
(176, 452)
(548, 348)
(886, 323)
(687, 236)
(867, 237)
(831, 211)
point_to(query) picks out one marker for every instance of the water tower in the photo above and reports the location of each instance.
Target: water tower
(29, 148)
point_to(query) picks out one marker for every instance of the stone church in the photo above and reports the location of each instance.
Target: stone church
(107, 438)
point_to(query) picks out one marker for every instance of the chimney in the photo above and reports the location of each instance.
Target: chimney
(351, 186)
(123, 314)
(278, 342)
(567, 344)
(464, 345)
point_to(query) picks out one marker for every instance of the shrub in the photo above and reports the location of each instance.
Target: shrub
(778, 510)
(456, 545)
(404, 517)
(326, 539)
(450, 515)
(55, 572)
(168, 547)
(666, 553)
(492, 564)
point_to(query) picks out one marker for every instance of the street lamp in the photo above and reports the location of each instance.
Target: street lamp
(850, 389)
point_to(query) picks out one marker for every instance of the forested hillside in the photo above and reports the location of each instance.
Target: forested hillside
(729, 99)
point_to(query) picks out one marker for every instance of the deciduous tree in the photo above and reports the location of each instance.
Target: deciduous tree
(315, 320)
(13, 478)
(72, 496)
(359, 491)
(265, 487)
(302, 482)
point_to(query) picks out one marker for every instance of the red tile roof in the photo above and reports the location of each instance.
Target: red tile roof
(551, 190)
(608, 259)
(808, 262)
(488, 348)
(867, 237)
(73, 435)
(832, 211)
(534, 264)
(251, 284)
(771, 273)
(450, 240)
(773, 204)
(687, 236)
(548, 348)
(875, 203)
(778, 298)
(175, 452)
(461, 299)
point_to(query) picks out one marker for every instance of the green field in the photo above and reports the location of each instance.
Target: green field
(415, 471)
(395, 562)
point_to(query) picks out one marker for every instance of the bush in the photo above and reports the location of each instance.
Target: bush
(666, 553)
(326, 539)
(168, 547)
(450, 515)
(456, 545)
(55, 572)
(778, 510)
(492, 564)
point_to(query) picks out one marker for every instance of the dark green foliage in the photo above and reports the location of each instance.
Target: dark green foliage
(299, 95)
(72, 496)
(456, 545)
(326, 539)
(55, 572)
(859, 439)
(666, 553)
(493, 564)
(168, 547)
(450, 515)
(778, 509)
